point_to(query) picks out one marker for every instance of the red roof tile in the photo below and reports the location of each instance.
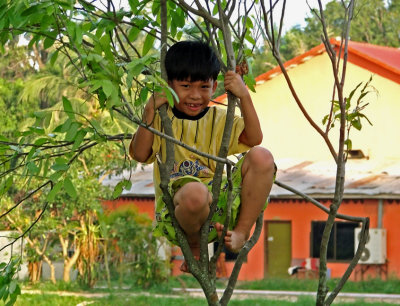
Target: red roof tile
(384, 61)
(382, 55)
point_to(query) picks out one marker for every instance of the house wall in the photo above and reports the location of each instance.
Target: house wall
(301, 214)
(288, 134)
(145, 205)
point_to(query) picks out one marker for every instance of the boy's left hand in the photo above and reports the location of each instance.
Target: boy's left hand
(234, 83)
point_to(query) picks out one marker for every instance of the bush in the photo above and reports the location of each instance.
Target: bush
(132, 249)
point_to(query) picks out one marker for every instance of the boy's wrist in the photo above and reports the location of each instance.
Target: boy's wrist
(245, 97)
(149, 111)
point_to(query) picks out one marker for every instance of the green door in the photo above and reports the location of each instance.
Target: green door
(278, 248)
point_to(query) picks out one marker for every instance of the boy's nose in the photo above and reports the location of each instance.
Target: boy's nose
(195, 93)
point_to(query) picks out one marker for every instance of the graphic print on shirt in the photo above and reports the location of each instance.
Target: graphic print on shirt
(189, 167)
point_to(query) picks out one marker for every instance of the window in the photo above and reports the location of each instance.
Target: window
(341, 241)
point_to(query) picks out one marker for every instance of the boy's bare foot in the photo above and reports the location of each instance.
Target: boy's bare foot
(234, 240)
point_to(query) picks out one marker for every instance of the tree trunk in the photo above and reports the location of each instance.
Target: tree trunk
(33, 269)
(68, 262)
(106, 264)
(52, 269)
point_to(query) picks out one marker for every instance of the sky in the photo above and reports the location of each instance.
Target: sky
(296, 11)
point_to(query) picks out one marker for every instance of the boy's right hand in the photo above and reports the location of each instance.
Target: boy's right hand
(156, 100)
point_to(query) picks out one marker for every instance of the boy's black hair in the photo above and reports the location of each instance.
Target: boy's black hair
(193, 60)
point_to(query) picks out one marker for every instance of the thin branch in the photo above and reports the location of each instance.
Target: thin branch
(27, 230)
(200, 12)
(240, 260)
(318, 204)
(25, 198)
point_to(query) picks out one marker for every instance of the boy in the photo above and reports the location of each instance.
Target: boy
(192, 69)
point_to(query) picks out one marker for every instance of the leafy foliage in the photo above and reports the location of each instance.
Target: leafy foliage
(132, 247)
(9, 287)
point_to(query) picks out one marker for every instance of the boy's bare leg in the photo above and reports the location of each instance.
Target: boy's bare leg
(257, 178)
(192, 206)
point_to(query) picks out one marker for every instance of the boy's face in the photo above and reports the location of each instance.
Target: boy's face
(193, 96)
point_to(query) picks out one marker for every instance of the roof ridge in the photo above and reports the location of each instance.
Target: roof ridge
(376, 46)
(370, 58)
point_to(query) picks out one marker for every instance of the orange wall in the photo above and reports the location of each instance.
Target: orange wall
(145, 205)
(301, 214)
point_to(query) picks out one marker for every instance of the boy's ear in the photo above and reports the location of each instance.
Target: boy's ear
(214, 87)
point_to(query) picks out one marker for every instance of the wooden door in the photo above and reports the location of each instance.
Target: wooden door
(277, 248)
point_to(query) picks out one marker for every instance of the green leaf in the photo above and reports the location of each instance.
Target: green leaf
(148, 42)
(79, 34)
(249, 23)
(46, 167)
(78, 139)
(6, 185)
(133, 33)
(12, 286)
(124, 184)
(143, 94)
(353, 91)
(53, 192)
(70, 136)
(60, 167)
(53, 57)
(15, 148)
(325, 119)
(64, 127)
(156, 7)
(32, 168)
(48, 42)
(357, 124)
(249, 38)
(108, 87)
(135, 68)
(55, 176)
(170, 98)
(349, 144)
(68, 108)
(215, 10)
(40, 141)
(250, 82)
(69, 188)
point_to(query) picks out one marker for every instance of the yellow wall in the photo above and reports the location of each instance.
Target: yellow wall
(287, 133)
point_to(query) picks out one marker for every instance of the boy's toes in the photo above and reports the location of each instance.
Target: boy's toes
(219, 228)
(184, 267)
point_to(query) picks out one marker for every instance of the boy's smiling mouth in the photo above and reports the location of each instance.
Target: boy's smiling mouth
(193, 106)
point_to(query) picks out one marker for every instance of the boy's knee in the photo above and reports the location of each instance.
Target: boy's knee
(260, 158)
(193, 197)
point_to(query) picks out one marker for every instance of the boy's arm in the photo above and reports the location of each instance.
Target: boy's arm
(141, 144)
(252, 134)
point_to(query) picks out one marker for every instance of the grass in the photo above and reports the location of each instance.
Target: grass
(187, 281)
(161, 293)
(367, 286)
(125, 299)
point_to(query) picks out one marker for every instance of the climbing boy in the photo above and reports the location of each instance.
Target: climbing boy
(192, 69)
